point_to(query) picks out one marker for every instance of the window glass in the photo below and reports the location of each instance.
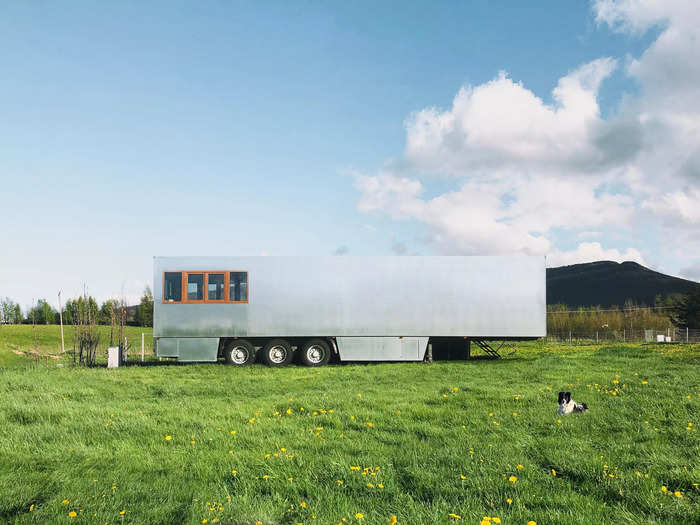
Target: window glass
(195, 286)
(215, 286)
(172, 286)
(238, 286)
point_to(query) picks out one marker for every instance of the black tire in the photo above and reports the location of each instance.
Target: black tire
(315, 352)
(278, 352)
(239, 352)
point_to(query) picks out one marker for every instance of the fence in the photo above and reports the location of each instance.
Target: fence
(669, 335)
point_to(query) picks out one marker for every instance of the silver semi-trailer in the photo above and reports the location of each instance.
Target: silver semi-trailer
(356, 308)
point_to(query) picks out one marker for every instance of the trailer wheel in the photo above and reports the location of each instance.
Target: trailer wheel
(315, 352)
(278, 352)
(239, 352)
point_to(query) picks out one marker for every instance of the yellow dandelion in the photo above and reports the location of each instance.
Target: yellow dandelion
(645, 382)
(444, 395)
(515, 414)
(168, 438)
(554, 472)
(302, 504)
(513, 479)
(72, 514)
(354, 467)
(490, 414)
(359, 515)
(496, 519)
(370, 424)
(519, 467)
(192, 442)
(31, 507)
(265, 476)
(454, 516)
(531, 522)
(288, 411)
(339, 481)
(509, 501)
(204, 520)
(234, 472)
(122, 512)
(559, 421)
(233, 432)
(392, 520)
(462, 477)
(663, 488)
(678, 494)
(615, 381)
(380, 485)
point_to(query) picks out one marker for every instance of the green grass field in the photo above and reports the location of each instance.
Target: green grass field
(20, 343)
(450, 442)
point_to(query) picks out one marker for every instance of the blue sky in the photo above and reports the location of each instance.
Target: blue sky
(135, 129)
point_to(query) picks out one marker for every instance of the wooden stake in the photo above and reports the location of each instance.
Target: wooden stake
(142, 349)
(60, 316)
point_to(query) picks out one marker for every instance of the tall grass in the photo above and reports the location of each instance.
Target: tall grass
(561, 318)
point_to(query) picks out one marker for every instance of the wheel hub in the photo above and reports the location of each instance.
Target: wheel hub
(239, 355)
(278, 354)
(315, 354)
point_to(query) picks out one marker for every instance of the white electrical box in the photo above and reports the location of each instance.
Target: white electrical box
(113, 357)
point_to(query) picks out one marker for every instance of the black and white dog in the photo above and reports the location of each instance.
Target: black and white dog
(567, 405)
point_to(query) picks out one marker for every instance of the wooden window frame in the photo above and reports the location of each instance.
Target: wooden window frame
(205, 291)
(185, 282)
(162, 296)
(247, 286)
(206, 287)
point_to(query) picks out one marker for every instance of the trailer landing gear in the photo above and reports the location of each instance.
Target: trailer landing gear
(490, 351)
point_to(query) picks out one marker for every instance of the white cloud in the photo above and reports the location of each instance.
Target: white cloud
(501, 124)
(529, 169)
(592, 251)
(494, 216)
(679, 206)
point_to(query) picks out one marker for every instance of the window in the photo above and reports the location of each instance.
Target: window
(215, 287)
(172, 287)
(195, 286)
(205, 287)
(238, 287)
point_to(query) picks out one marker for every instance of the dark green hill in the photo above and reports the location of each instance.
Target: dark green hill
(608, 283)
